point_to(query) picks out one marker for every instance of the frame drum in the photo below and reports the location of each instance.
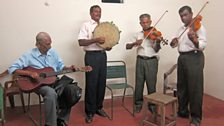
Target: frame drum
(109, 31)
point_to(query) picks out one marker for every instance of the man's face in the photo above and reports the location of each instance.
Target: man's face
(145, 22)
(45, 44)
(96, 14)
(186, 17)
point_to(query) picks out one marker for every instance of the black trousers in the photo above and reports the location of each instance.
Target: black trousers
(95, 80)
(190, 83)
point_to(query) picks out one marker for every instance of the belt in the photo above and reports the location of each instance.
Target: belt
(96, 51)
(190, 52)
(146, 57)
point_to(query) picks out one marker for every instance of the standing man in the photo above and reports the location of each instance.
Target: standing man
(147, 61)
(190, 67)
(41, 57)
(95, 57)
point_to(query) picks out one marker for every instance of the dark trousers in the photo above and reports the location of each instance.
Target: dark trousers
(190, 83)
(146, 71)
(95, 80)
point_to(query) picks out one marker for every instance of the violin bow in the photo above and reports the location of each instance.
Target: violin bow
(193, 19)
(153, 27)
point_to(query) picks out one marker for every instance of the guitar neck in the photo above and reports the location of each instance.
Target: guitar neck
(50, 74)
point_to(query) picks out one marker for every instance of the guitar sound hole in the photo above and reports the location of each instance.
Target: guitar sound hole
(43, 75)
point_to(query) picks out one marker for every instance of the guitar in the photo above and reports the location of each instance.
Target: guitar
(47, 76)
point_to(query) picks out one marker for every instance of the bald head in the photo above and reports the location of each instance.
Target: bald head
(41, 36)
(43, 42)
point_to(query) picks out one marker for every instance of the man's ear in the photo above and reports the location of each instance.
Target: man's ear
(37, 44)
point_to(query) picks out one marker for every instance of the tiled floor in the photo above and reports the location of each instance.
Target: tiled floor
(213, 115)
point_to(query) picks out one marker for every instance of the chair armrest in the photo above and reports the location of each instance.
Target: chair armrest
(8, 84)
(170, 70)
(4, 73)
(166, 74)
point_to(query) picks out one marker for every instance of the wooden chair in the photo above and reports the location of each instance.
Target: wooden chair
(117, 80)
(168, 84)
(10, 89)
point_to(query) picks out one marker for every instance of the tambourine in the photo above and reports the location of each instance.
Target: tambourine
(109, 31)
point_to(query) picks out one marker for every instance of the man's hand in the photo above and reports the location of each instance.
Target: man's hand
(72, 67)
(34, 75)
(192, 36)
(108, 49)
(158, 39)
(174, 43)
(99, 40)
(138, 42)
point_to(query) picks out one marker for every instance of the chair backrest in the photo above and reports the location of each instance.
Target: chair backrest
(168, 84)
(116, 69)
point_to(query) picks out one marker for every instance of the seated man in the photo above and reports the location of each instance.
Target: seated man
(41, 57)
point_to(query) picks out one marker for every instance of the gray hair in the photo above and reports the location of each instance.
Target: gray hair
(144, 16)
(40, 37)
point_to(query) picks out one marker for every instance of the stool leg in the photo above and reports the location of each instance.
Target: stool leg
(163, 115)
(144, 118)
(174, 106)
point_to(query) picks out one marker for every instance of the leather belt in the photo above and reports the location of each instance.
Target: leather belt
(96, 51)
(190, 52)
(146, 57)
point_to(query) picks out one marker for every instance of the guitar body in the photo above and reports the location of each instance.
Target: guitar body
(27, 84)
(47, 76)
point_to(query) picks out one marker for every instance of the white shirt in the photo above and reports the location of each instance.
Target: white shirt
(146, 48)
(86, 32)
(186, 45)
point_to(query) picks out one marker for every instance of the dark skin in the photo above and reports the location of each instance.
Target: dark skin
(95, 15)
(186, 18)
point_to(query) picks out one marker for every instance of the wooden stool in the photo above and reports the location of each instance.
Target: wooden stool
(161, 101)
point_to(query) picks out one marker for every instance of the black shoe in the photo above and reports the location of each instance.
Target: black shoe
(89, 118)
(138, 108)
(195, 121)
(61, 122)
(183, 114)
(101, 112)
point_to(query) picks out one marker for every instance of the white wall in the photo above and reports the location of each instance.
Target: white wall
(22, 20)
(214, 67)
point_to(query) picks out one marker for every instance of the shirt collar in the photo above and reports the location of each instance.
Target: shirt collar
(39, 54)
(93, 22)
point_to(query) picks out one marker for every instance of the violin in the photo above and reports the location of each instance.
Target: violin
(196, 25)
(153, 35)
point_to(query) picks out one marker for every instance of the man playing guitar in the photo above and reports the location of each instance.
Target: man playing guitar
(43, 56)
